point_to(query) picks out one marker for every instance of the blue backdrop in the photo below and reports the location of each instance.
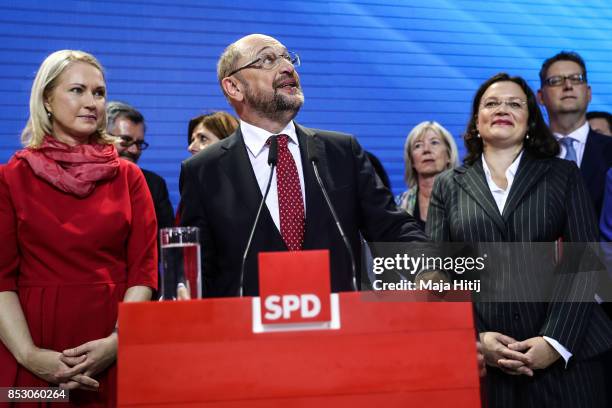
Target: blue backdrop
(374, 68)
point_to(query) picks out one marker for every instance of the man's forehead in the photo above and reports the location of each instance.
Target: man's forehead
(255, 44)
(565, 66)
(127, 127)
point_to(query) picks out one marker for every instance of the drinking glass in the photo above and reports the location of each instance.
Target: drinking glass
(181, 275)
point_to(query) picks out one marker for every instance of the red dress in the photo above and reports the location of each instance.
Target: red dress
(71, 260)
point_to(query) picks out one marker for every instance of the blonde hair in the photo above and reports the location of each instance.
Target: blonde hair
(39, 124)
(410, 174)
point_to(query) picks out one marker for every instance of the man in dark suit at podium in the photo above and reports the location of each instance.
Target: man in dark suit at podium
(222, 186)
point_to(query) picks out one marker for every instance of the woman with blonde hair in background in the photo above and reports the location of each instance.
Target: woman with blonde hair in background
(429, 150)
(78, 234)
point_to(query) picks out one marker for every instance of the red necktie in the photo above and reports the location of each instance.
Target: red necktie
(290, 202)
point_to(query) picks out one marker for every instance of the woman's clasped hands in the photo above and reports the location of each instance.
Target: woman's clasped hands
(86, 361)
(74, 368)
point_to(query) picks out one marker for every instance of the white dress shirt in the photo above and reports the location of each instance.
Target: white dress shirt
(501, 195)
(580, 138)
(255, 140)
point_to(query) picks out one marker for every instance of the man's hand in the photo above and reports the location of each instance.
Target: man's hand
(431, 276)
(540, 353)
(498, 354)
(90, 359)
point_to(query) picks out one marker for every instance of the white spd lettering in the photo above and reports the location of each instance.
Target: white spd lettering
(276, 306)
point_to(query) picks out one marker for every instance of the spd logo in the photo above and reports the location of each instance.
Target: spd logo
(294, 290)
(281, 307)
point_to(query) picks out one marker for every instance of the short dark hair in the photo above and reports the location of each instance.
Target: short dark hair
(562, 56)
(541, 142)
(116, 109)
(602, 115)
(220, 123)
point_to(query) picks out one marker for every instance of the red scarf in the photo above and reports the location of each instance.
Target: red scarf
(72, 169)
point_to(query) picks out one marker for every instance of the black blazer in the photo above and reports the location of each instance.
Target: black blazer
(596, 161)
(159, 193)
(547, 200)
(220, 195)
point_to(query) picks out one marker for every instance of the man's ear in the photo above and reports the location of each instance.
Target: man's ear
(540, 97)
(589, 93)
(233, 88)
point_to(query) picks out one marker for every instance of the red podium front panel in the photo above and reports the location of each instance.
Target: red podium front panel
(204, 353)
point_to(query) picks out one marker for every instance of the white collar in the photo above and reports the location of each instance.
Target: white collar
(580, 134)
(255, 138)
(510, 171)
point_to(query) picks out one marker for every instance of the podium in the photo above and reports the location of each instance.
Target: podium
(203, 353)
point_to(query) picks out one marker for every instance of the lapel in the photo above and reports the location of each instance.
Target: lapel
(530, 171)
(235, 163)
(315, 206)
(472, 180)
(588, 166)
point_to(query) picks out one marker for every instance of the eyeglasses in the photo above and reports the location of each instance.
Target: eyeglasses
(127, 141)
(270, 60)
(494, 104)
(558, 80)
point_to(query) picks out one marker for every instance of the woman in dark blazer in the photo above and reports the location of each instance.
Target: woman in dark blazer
(512, 188)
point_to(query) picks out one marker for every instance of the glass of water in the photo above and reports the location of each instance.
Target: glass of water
(181, 275)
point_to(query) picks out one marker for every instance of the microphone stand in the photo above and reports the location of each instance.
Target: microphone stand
(314, 159)
(272, 160)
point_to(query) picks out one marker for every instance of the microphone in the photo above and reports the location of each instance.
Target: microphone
(272, 160)
(314, 159)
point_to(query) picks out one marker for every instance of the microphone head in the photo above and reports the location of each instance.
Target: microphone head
(311, 149)
(273, 151)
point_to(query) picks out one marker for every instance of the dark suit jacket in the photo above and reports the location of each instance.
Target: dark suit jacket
(220, 195)
(159, 192)
(547, 200)
(605, 227)
(605, 223)
(596, 161)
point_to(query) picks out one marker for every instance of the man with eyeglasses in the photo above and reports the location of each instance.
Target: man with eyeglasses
(566, 94)
(128, 125)
(222, 186)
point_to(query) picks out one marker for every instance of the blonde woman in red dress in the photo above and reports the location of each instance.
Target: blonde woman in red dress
(78, 234)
